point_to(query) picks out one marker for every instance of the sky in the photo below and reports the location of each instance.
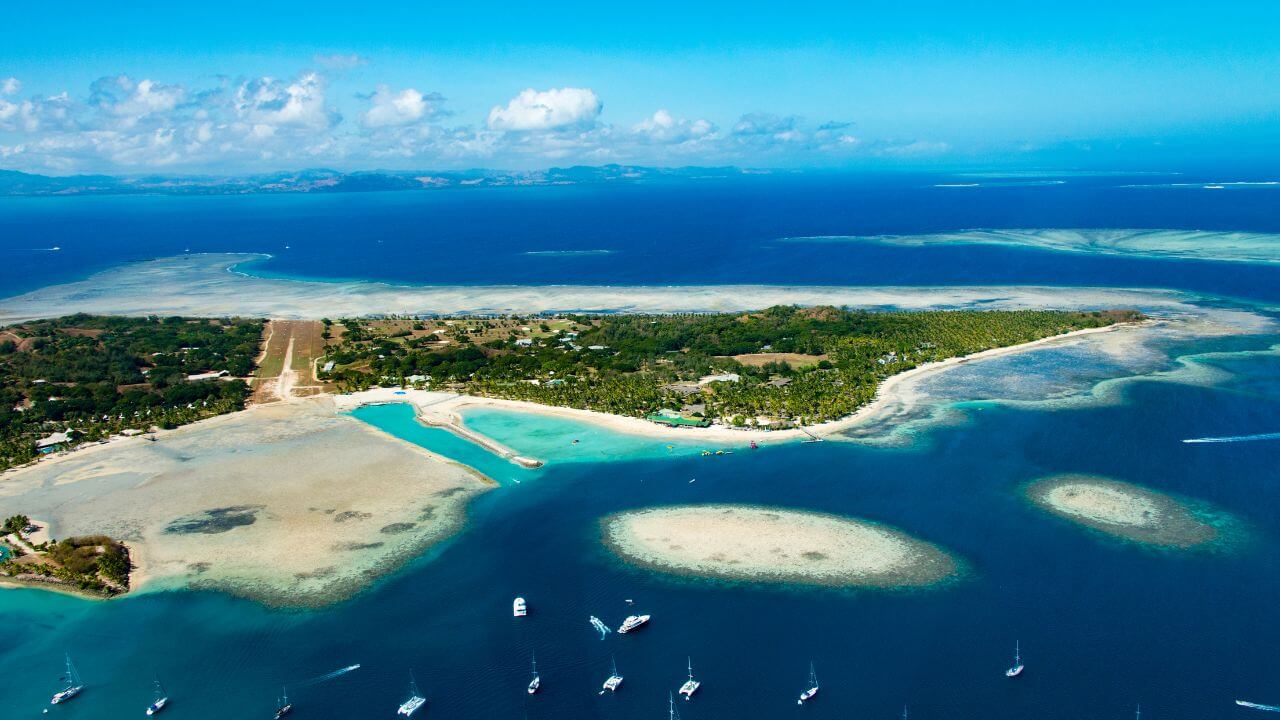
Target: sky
(234, 87)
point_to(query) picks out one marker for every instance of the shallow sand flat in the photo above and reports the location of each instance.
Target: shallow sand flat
(1124, 510)
(290, 504)
(774, 545)
(211, 285)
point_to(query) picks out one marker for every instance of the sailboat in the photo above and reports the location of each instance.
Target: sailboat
(415, 701)
(813, 687)
(1016, 670)
(74, 685)
(536, 682)
(614, 681)
(671, 702)
(283, 706)
(690, 686)
(160, 701)
(1137, 712)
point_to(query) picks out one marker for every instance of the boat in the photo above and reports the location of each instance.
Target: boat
(671, 703)
(812, 687)
(614, 681)
(754, 446)
(415, 701)
(1258, 706)
(74, 685)
(283, 706)
(690, 686)
(160, 701)
(1016, 670)
(536, 682)
(519, 608)
(632, 622)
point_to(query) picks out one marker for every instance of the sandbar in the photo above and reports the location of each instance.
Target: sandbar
(1124, 510)
(774, 546)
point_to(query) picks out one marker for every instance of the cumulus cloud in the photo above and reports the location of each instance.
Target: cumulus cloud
(547, 110)
(10, 86)
(121, 97)
(663, 128)
(389, 109)
(269, 103)
(339, 61)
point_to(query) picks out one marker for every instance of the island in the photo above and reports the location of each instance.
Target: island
(1128, 511)
(774, 546)
(93, 565)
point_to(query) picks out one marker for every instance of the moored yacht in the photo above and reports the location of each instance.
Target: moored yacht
(536, 682)
(812, 688)
(614, 681)
(74, 685)
(1016, 669)
(160, 701)
(690, 686)
(415, 701)
(632, 622)
(519, 608)
(283, 706)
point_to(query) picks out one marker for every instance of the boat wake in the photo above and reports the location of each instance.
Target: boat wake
(1257, 706)
(1235, 438)
(328, 676)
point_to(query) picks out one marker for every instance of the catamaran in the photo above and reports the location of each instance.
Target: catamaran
(690, 686)
(74, 685)
(283, 706)
(632, 622)
(813, 687)
(536, 682)
(161, 700)
(1016, 669)
(415, 701)
(519, 608)
(614, 680)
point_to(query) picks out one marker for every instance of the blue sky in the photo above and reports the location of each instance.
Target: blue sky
(238, 86)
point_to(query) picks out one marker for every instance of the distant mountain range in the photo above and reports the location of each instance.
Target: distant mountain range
(323, 180)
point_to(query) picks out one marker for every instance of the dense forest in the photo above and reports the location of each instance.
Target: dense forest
(96, 376)
(783, 366)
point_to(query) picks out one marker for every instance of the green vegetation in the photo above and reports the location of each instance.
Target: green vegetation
(640, 364)
(96, 376)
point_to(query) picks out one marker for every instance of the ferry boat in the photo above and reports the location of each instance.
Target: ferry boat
(283, 706)
(812, 688)
(614, 681)
(74, 685)
(161, 700)
(632, 622)
(536, 682)
(690, 686)
(415, 701)
(1016, 669)
(519, 608)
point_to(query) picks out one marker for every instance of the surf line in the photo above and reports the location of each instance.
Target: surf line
(1235, 438)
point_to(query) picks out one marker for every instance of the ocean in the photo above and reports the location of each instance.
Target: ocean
(1103, 624)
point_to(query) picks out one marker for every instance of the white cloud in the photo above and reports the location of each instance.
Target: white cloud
(123, 98)
(547, 110)
(340, 61)
(389, 109)
(10, 86)
(662, 127)
(301, 103)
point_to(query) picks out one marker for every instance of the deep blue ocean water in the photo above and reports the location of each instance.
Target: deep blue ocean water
(1103, 624)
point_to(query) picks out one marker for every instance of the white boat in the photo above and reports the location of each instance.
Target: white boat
(632, 622)
(74, 685)
(1258, 706)
(690, 686)
(671, 703)
(1016, 669)
(415, 701)
(519, 608)
(283, 706)
(812, 690)
(536, 682)
(161, 700)
(614, 681)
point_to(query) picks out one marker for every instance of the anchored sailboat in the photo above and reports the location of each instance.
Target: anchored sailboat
(671, 702)
(536, 682)
(74, 685)
(283, 706)
(160, 701)
(415, 701)
(1016, 669)
(690, 686)
(614, 681)
(812, 688)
